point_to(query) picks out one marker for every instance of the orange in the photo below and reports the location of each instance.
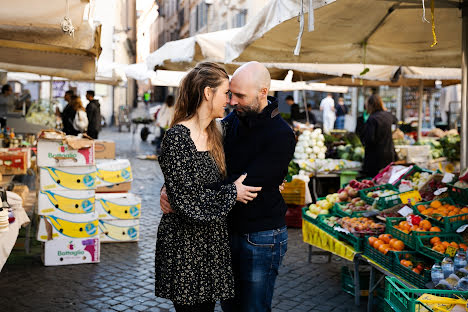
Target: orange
(434, 240)
(414, 228)
(436, 204)
(464, 246)
(425, 212)
(451, 214)
(372, 240)
(384, 248)
(385, 237)
(464, 210)
(425, 224)
(451, 208)
(399, 245)
(421, 208)
(454, 244)
(435, 229)
(445, 244)
(417, 271)
(439, 248)
(392, 241)
(378, 243)
(457, 210)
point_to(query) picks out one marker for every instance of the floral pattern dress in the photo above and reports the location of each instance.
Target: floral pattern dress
(193, 260)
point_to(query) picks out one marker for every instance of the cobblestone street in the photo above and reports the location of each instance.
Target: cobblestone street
(123, 280)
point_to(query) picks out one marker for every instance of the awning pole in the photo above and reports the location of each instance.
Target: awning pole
(464, 91)
(420, 108)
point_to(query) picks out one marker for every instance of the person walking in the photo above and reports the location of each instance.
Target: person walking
(327, 106)
(7, 103)
(376, 136)
(193, 260)
(68, 115)
(259, 142)
(295, 113)
(341, 111)
(93, 111)
(164, 119)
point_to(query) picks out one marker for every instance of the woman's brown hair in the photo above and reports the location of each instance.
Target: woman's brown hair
(76, 103)
(374, 104)
(190, 98)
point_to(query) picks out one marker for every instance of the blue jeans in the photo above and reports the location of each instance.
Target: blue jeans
(256, 259)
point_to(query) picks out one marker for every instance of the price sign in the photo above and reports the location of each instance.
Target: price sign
(410, 197)
(451, 251)
(405, 211)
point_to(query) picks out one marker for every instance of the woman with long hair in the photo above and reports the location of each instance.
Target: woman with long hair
(377, 137)
(193, 261)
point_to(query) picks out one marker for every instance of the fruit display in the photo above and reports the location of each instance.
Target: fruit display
(314, 166)
(361, 225)
(440, 246)
(421, 226)
(351, 190)
(310, 145)
(381, 193)
(347, 146)
(436, 210)
(385, 243)
(416, 181)
(356, 205)
(414, 264)
(323, 206)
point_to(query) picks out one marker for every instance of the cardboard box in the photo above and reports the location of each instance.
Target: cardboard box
(116, 188)
(114, 231)
(104, 149)
(68, 202)
(118, 206)
(71, 251)
(67, 178)
(110, 172)
(77, 226)
(14, 161)
(58, 153)
(22, 191)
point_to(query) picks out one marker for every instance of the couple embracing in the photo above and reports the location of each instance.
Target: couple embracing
(223, 235)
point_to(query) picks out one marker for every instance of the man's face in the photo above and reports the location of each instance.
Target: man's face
(88, 97)
(67, 97)
(9, 91)
(244, 96)
(289, 102)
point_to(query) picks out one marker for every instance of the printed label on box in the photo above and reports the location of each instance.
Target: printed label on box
(52, 153)
(119, 230)
(118, 206)
(70, 202)
(71, 251)
(110, 172)
(80, 226)
(67, 178)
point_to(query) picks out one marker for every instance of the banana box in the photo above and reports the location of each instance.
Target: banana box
(118, 206)
(67, 178)
(68, 152)
(69, 202)
(113, 171)
(71, 251)
(62, 226)
(115, 231)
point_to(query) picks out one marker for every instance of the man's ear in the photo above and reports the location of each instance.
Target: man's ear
(208, 93)
(264, 92)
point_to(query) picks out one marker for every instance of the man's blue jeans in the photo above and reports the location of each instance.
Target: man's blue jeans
(256, 259)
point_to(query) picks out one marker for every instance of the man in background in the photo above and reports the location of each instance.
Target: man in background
(93, 110)
(327, 106)
(7, 103)
(295, 114)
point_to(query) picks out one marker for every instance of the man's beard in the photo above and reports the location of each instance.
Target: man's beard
(251, 110)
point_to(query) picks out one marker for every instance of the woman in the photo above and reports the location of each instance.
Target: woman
(341, 111)
(80, 121)
(193, 264)
(163, 119)
(377, 137)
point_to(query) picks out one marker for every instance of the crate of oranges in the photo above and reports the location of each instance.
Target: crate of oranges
(435, 246)
(444, 213)
(380, 249)
(400, 228)
(412, 268)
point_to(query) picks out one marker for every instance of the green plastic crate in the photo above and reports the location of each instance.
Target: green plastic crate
(423, 243)
(306, 217)
(408, 239)
(382, 202)
(347, 281)
(412, 171)
(460, 195)
(338, 210)
(419, 280)
(355, 241)
(404, 299)
(446, 224)
(321, 224)
(384, 260)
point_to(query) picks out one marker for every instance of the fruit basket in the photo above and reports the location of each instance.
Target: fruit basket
(407, 265)
(444, 213)
(460, 195)
(414, 169)
(348, 209)
(382, 202)
(423, 243)
(402, 298)
(385, 260)
(407, 238)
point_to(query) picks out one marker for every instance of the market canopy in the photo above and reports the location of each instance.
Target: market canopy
(351, 31)
(32, 39)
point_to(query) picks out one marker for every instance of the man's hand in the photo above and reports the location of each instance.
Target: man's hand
(164, 202)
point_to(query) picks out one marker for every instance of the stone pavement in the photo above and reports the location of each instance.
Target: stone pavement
(123, 280)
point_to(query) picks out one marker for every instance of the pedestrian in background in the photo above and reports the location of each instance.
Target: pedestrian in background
(310, 113)
(164, 119)
(327, 106)
(93, 112)
(68, 115)
(376, 136)
(295, 113)
(341, 111)
(80, 122)
(7, 103)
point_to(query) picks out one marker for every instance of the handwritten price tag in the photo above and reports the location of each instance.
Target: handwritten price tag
(451, 251)
(410, 197)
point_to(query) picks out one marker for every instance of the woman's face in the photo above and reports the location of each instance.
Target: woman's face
(220, 99)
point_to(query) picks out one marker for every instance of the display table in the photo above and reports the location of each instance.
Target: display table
(8, 239)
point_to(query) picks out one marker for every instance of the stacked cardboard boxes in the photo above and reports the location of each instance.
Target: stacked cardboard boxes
(68, 222)
(118, 211)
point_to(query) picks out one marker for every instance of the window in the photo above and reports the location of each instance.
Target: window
(239, 19)
(181, 19)
(202, 15)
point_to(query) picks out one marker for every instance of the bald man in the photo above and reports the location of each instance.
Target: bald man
(257, 141)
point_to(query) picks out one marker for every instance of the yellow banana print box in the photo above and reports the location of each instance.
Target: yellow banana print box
(71, 251)
(113, 171)
(67, 178)
(60, 226)
(118, 206)
(115, 231)
(68, 202)
(59, 153)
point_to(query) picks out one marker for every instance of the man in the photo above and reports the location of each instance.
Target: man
(341, 111)
(93, 111)
(7, 103)
(312, 119)
(68, 115)
(295, 114)
(260, 143)
(327, 106)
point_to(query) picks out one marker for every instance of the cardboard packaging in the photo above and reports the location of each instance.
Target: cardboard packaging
(111, 172)
(104, 149)
(71, 251)
(68, 202)
(60, 227)
(14, 161)
(67, 178)
(70, 151)
(116, 188)
(118, 206)
(114, 231)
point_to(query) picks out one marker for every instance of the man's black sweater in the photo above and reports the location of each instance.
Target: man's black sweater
(262, 146)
